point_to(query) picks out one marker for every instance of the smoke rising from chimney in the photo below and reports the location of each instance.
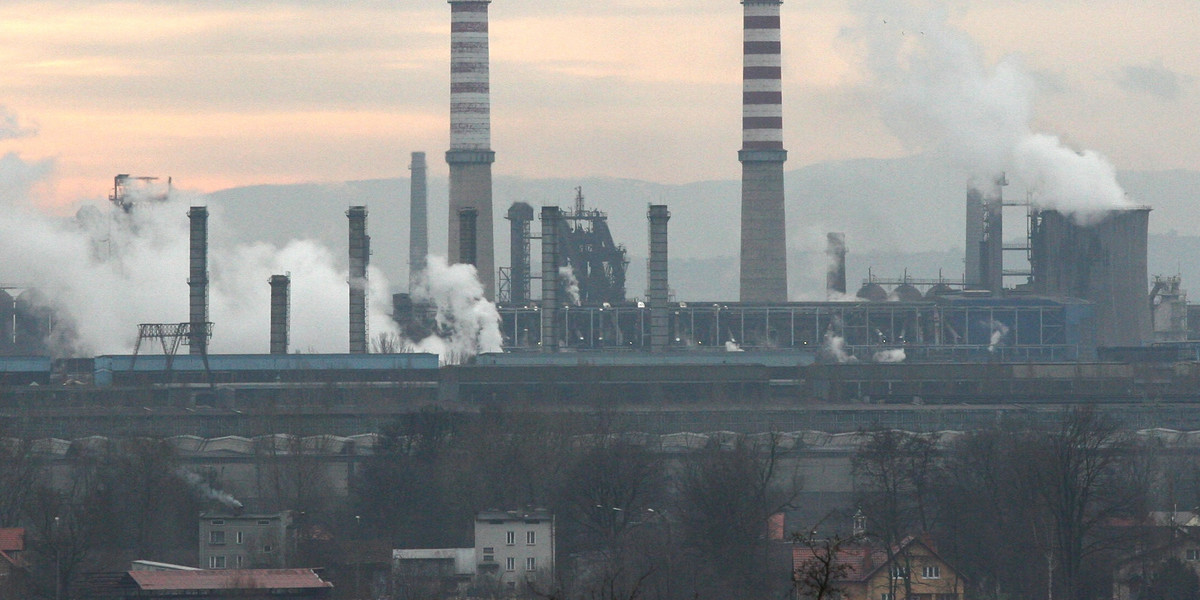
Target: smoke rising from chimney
(106, 270)
(942, 97)
(207, 491)
(468, 323)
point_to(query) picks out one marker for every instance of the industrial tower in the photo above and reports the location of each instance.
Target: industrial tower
(470, 156)
(764, 231)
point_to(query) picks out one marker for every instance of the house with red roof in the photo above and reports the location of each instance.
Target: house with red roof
(864, 570)
(245, 584)
(14, 568)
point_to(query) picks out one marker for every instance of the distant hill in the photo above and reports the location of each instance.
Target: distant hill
(897, 214)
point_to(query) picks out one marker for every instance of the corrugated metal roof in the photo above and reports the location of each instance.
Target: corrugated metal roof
(275, 579)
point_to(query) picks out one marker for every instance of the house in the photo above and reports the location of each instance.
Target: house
(515, 547)
(916, 571)
(1163, 537)
(14, 569)
(245, 584)
(247, 541)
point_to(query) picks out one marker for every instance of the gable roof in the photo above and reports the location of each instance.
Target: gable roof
(863, 558)
(12, 539)
(274, 579)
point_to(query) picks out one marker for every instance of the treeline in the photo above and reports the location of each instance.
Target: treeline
(631, 522)
(1028, 512)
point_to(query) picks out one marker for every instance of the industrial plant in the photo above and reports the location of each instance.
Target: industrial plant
(1067, 317)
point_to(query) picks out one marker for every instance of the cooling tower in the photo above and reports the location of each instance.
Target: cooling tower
(198, 280)
(418, 220)
(520, 215)
(360, 254)
(551, 215)
(1104, 263)
(280, 309)
(835, 254)
(659, 289)
(470, 156)
(764, 237)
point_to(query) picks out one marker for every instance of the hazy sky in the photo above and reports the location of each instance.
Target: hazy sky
(222, 93)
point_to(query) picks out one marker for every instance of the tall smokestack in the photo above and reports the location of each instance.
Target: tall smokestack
(198, 280)
(280, 309)
(835, 252)
(360, 254)
(551, 216)
(519, 216)
(470, 156)
(418, 219)
(468, 224)
(764, 234)
(658, 215)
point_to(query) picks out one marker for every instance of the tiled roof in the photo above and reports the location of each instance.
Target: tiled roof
(860, 560)
(12, 539)
(276, 579)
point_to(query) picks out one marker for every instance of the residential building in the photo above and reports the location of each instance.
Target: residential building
(244, 584)
(870, 575)
(515, 547)
(1161, 538)
(14, 569)
(247, 541)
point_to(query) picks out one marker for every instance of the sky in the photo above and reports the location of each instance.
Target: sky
(219, 94)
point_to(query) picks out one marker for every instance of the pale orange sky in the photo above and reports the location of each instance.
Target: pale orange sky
(221, 93)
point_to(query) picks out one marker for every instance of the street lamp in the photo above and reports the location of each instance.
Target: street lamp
(57, 567)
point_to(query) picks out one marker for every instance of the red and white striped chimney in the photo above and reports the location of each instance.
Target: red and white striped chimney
(764, 233)
(470, 156)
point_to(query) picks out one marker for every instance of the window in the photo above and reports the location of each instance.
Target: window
(530, 564)
(1193, 554)
(216, 562)
(510, 538)
(264, 522)
(218, 521)
(931, 572)
(268, 548)
(239, 537)
(510, 564)
(887, 596)
(530, 537)
(216, 537)
(489, 558)
(238, 561)
(899, 573)
(489, 550)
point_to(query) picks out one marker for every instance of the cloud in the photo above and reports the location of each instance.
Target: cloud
(1152, 79)
(11, 126)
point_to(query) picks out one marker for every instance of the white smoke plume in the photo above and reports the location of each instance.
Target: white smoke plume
(566, 275)
(468, 324)
(106, 270)
(835, 348)
(999, 332)
(942, 97)
(894, 355)
(732, 346)
(208, 491)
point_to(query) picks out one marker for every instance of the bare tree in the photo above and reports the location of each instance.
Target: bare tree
(818, 575)
(726, 497)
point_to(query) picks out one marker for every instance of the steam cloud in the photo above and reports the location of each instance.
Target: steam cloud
(999, 332)
(207, 491)
(835, 348)
(944, 98)
(567, 276)
(890, 356)
(467, 323)
(107, 270)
